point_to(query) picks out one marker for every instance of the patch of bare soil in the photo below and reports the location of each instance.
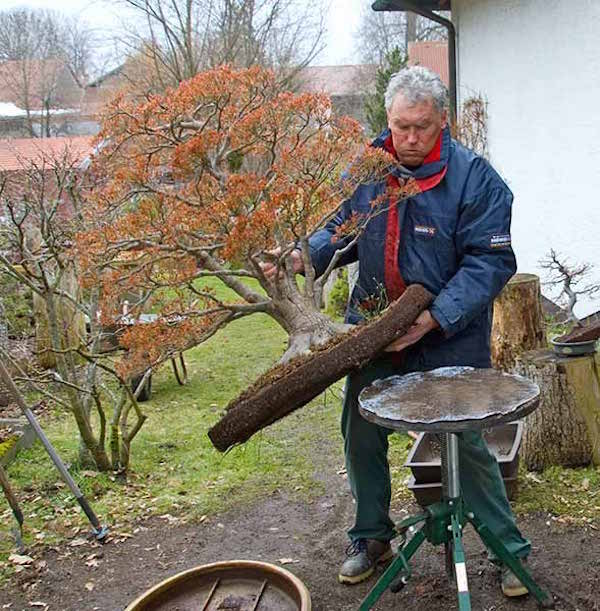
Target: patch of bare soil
(308, 538)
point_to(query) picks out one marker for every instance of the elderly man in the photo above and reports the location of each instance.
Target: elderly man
(453, 238)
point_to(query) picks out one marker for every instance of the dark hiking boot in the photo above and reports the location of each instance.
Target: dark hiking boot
(362, 557)
(511, 586)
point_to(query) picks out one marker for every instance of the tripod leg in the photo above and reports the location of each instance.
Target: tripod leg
(460, 568)
(449, 560)
(400, 563)
(509, 559)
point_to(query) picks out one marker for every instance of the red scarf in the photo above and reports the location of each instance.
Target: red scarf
(394, 283)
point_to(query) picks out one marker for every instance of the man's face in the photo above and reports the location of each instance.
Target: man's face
(415, 129)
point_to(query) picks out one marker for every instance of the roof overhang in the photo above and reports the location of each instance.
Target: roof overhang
(400, 5)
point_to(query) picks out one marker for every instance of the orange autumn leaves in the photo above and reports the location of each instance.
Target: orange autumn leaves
(226, 159)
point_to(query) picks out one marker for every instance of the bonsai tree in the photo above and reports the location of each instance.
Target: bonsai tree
(206, 182)
(204, 185)
(569, 277)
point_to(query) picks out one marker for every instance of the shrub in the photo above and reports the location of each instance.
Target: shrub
(338, 297)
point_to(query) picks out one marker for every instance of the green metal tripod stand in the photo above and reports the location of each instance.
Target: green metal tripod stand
(395, 403)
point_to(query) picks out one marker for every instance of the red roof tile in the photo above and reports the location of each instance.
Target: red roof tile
(17, 153)
(430, 54)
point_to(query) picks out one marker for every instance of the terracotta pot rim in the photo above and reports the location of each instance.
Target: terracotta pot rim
(148, 595)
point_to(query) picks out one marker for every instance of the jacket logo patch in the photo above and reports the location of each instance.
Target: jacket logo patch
(500, 240)
(423, 230)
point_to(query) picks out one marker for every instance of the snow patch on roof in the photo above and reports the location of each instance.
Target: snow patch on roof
(8, 109)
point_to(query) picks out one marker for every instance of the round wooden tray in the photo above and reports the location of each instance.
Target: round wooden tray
(235, 585)
(448, 399)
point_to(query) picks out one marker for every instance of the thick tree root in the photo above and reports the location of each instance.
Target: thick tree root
(289, 386)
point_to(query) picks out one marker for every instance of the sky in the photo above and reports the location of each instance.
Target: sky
(343, 18)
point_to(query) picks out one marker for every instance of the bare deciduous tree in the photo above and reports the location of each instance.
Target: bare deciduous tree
(472, 125)
(182, 37)
(381, 32)
(43, 215)
(44, 60)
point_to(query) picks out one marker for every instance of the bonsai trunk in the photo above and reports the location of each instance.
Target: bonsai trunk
(307, 328)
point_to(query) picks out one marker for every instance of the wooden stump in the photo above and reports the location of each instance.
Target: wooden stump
(287, 387)
(518, 323)
(565, 429)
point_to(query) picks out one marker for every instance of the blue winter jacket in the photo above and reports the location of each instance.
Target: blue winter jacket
(454, 240)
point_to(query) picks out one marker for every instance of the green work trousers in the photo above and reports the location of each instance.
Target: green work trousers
(366, 446)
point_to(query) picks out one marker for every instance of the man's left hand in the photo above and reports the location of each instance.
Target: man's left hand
(425, 322)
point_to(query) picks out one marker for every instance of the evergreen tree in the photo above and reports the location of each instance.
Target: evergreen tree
(394, 61)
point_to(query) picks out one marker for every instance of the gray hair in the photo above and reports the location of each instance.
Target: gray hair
(417, 84)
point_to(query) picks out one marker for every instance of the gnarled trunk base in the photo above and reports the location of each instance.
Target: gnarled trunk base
(289, 386)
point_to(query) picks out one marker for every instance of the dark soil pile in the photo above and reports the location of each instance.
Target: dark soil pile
(287, 387)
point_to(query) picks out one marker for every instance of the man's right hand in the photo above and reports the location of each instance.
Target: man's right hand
(270, 269)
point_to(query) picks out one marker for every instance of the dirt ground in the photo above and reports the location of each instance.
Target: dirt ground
(88, 576)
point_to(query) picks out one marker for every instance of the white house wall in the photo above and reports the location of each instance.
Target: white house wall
(537, 62)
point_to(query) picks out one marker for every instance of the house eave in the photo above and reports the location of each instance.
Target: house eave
(400, 5)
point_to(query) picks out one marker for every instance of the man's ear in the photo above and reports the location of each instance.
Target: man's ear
(444, 119)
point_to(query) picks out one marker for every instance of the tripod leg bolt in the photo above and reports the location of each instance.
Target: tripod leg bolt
(398, 583)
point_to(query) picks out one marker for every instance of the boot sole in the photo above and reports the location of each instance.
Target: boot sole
(354, 579)
(515, 592)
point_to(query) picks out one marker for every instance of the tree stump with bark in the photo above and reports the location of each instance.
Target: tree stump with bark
(565, 429)
(290, 385)
(518, 324)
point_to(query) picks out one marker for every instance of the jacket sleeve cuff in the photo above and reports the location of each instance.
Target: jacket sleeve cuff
(319, 258)
(447, 313)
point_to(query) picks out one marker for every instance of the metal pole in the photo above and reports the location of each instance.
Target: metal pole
(450, 465)
(100, 532)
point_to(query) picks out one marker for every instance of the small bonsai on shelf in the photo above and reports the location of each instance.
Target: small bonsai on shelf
(568, 276)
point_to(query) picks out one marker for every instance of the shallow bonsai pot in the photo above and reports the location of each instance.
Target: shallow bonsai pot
(574, 348)
(503, 441)
(235, 584)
